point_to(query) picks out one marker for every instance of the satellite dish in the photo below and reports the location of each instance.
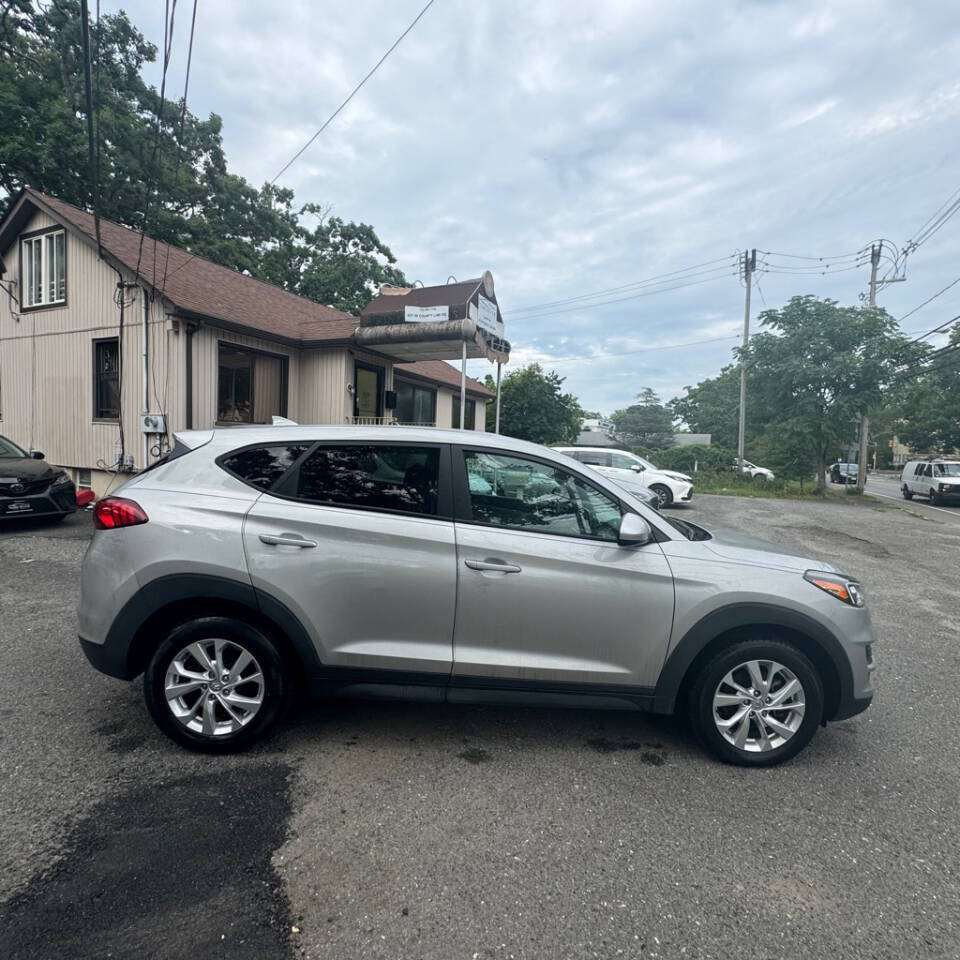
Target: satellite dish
(488, 284)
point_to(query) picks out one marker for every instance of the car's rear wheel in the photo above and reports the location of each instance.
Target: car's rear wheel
(663, 494)
(216, 684)
(757, 703)
(907, 495)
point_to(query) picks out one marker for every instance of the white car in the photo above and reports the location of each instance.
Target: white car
(668, 485)
(756, 473)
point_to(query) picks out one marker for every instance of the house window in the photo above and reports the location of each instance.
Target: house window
(470, 415)
(44, 274)
(415, 404)
(251, 386)
(106, 379)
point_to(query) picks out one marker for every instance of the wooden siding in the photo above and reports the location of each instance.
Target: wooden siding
(323, 386)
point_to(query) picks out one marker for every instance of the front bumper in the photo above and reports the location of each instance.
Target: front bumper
(48, 503)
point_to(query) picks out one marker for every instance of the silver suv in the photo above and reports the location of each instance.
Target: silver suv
(448, 566)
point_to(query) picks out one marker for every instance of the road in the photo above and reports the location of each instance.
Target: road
(401, 830)
(888, 487)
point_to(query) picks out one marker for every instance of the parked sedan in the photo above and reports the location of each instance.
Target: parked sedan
(755, 472)
(440, 566)
(30, 487)
(844, 472)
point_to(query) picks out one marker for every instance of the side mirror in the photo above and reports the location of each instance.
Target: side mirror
(37, 454)
(634, 531)
(636, 468)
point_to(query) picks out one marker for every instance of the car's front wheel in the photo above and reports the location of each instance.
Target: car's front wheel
(663, 494)
(216, 684)
(757, 702)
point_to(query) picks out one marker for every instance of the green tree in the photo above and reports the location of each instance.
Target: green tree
(648, 423)
(925, 403)
(816, 365)
(713, 406)
(173, 184)
(533, 407)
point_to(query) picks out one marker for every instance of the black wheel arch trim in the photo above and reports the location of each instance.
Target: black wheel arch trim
(743, 615)
(121, 655)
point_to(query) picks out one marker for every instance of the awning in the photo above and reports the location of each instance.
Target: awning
(433, 340)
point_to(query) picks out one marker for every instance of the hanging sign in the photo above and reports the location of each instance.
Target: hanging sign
(487, 316)
(425, 314)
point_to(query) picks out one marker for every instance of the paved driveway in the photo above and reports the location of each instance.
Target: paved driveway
(377, 830)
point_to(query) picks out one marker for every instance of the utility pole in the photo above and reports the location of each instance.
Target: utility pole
(875, 250)
(749, 266)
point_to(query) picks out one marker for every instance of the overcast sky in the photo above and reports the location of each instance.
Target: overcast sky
(573, 147)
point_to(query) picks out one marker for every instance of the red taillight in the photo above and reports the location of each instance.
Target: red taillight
(85, 498)
(113, 512)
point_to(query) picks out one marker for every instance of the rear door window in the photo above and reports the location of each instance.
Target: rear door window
(371, 477)
(595, 458)
(263, 466)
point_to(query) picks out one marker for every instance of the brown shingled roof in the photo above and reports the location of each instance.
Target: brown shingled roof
(205, 289)
(438, 296)
(441, 372)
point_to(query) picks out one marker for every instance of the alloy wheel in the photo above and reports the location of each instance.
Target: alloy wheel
(758, 706)
(214, 687)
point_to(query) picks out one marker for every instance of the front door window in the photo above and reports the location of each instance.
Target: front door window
(368, 392)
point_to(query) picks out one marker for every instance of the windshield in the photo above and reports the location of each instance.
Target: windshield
(947, 469)
(9, 449)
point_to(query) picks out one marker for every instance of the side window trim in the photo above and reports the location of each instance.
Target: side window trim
(463, 510)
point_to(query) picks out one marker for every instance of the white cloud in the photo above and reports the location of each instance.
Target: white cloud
(576, 147)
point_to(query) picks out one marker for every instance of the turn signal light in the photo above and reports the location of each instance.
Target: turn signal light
(113, 512)
(840, 587)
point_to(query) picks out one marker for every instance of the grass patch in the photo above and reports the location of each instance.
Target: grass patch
(732, 486)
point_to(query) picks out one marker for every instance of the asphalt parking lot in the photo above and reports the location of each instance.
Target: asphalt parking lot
(395, 831)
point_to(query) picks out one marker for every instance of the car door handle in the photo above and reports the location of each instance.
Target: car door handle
(286, 540)
(497, 566)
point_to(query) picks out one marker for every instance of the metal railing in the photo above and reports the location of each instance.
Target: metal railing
(386, 422)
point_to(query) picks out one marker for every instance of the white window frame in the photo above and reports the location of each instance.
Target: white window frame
(53, 269)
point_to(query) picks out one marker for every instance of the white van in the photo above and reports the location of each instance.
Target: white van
(937, 479)
(668, 485)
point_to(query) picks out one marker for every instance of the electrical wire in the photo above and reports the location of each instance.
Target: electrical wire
(183, 117)
(622, 287)
(356, 89)
(929, 300)
(798, 256)
(630, 353)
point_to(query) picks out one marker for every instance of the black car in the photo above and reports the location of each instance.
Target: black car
(30, 487)
(844, 473)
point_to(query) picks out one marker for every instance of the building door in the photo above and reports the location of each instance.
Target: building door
(367, 392)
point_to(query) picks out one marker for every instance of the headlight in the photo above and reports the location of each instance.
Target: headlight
(62, 481)
(843, 588)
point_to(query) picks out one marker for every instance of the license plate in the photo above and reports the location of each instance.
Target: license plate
(20, 506)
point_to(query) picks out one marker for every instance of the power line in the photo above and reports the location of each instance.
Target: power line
(799, 256)
(634, 296)
(183, 117)
(631, 353)
(353, 93)
(936, 329)
(622, 287)
(929, 299)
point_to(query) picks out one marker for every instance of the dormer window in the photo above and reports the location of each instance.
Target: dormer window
(44, 268)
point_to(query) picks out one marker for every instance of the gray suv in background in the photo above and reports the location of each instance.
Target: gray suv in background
(459, 567)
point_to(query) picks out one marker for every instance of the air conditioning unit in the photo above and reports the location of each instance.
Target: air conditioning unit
(153, 423)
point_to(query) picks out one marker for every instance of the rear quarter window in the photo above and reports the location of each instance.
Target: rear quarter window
(263, 466)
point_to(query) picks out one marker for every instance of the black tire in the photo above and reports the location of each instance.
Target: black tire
(907, 495)
(934, 496)
(273, 666)
(709, 677)
(663, 494)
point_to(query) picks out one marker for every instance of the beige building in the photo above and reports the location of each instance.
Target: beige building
(103, 355)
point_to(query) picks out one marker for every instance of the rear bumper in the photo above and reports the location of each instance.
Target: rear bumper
(109, 658)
